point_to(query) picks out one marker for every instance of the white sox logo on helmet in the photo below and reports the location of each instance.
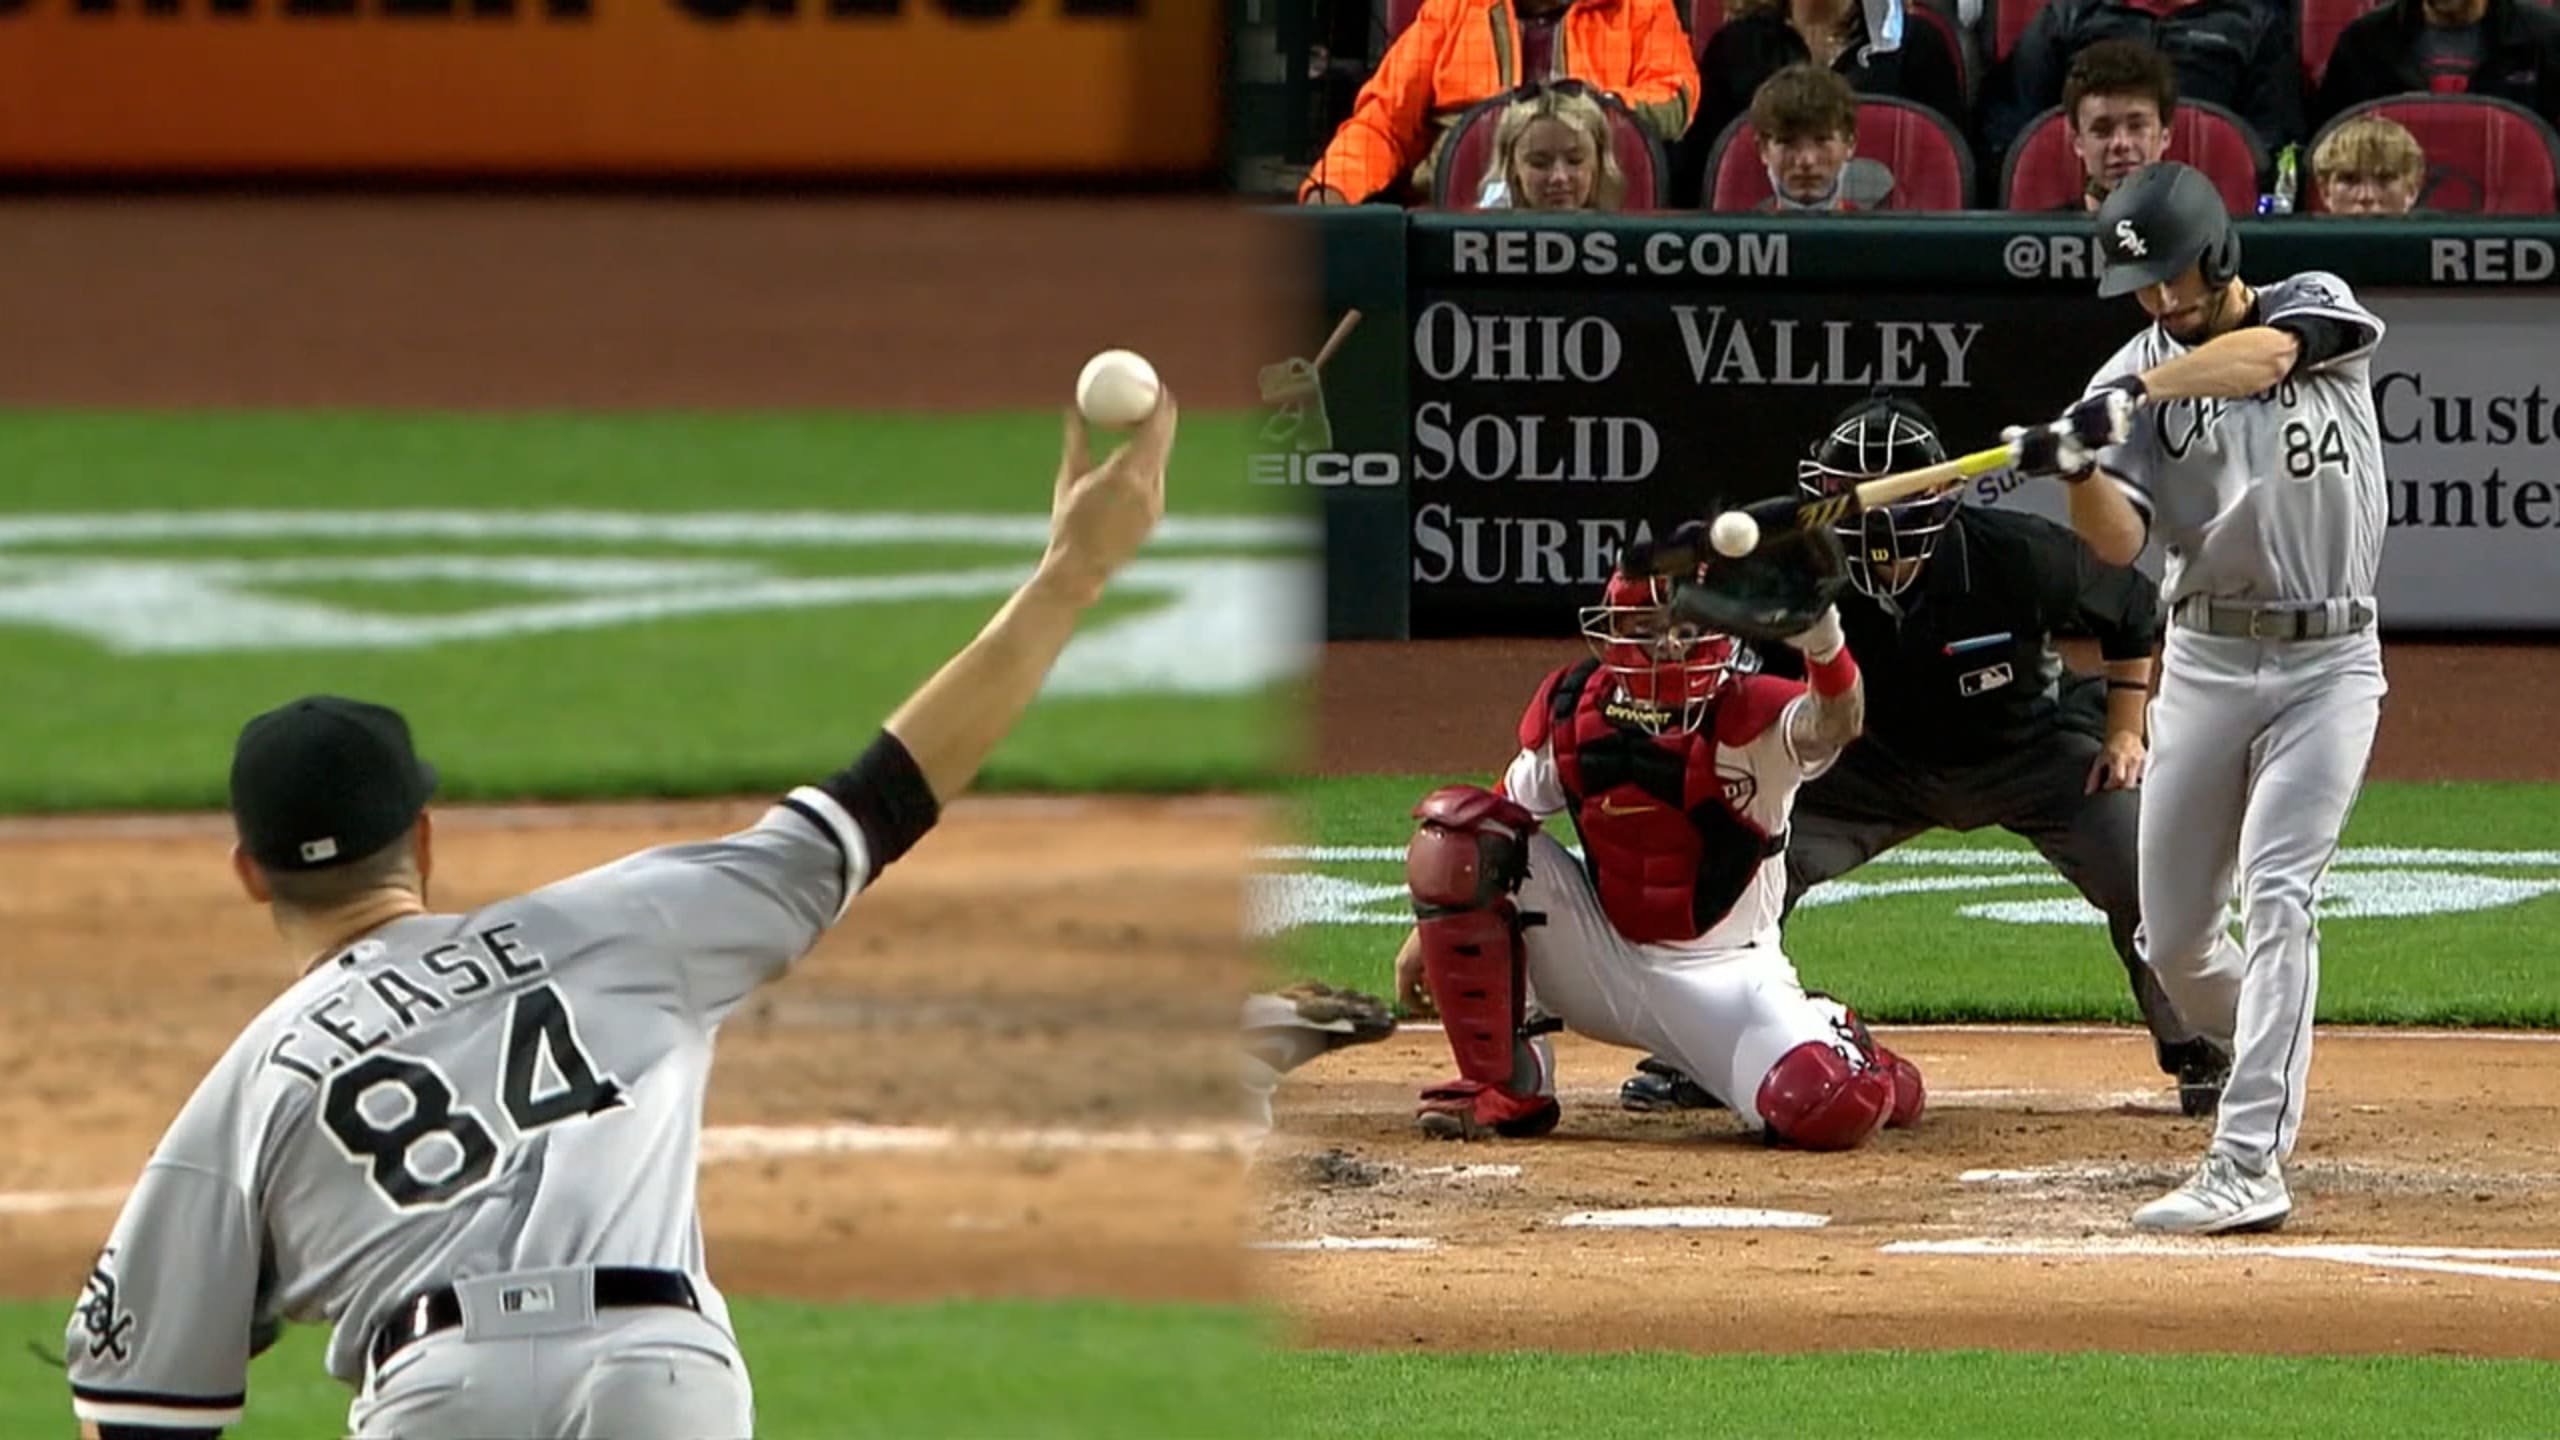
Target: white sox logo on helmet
(2130, 240)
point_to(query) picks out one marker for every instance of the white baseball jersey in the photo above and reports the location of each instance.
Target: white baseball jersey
(1754, 761)
(454, 1096)
(2278, 497)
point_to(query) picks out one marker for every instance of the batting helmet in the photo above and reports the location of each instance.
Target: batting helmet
(1881, 435)
(2162, 219)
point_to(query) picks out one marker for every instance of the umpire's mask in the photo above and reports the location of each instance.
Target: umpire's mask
(1879, 436)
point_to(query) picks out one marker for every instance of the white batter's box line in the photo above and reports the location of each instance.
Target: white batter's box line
(2476, 1263)
(45, 1202)
(1694, 1217)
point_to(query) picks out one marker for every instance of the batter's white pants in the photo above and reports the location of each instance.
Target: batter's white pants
(1723, 1018)
(635, 1374)
(2258, 750)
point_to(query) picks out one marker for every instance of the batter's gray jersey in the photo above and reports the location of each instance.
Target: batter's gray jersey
(455, 1095)
(2280, 496)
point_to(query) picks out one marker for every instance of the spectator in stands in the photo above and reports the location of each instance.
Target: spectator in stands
(1806, 118)
(1459, 53)
(2371, 165)
(2504, 49)
(1871, 44)
(2116, 106)
(1552, 152)
(2239, 54)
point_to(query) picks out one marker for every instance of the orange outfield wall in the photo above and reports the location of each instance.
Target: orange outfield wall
(611, 86)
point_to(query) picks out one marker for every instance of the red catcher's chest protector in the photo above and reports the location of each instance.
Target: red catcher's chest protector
(1666, 854)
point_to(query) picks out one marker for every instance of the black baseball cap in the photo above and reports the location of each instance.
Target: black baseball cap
(323, 781)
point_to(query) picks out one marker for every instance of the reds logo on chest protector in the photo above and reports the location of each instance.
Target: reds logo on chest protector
(1662, 832)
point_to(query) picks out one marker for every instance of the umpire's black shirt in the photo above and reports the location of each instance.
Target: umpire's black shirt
(1960, 667)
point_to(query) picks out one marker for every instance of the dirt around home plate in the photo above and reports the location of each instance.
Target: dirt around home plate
(2424, 1172)
(1998, 1222)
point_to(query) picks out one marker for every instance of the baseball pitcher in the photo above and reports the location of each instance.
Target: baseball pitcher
(2239, 428)
(467, 1141)
(1678, 774)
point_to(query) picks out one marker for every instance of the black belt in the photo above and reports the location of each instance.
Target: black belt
(432, 1311)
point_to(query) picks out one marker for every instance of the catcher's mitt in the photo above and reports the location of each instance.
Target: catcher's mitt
(1780, 589)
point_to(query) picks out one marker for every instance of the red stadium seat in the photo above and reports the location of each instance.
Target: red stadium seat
(2484, 156)
(1932, 167)
(1468, 160)
(1704, 17)
(2043, 173)
(2009, 21)
(1400, 14)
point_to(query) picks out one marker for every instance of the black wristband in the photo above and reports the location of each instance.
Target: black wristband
(887, 796)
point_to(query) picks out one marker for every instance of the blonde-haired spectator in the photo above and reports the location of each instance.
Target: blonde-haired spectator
(1457, 54)
(1552, 151)
(2371, 165)
(1805, 119)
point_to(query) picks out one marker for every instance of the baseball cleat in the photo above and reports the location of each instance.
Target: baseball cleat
(1659, 1085)
(2221, 1198)
(2201, 1076)
(1471, 1110)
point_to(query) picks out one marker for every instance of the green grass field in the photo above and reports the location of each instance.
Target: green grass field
(2439, 911)
(573, 606)
(1051, 1370)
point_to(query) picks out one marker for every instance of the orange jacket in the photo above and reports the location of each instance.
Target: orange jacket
(1460, 53)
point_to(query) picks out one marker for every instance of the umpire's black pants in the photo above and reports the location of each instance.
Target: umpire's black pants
(1871, 800)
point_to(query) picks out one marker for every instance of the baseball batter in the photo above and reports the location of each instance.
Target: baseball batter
(468, 1141)
(1972, 717)
(2239, 427)
(1678, 774)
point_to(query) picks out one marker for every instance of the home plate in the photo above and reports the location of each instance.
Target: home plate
(1696, 1217)
(1350, 1242)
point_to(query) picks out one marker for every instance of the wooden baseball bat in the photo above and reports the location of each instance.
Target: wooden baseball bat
(1877, 493)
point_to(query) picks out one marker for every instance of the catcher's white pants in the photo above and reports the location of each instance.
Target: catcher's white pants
(1723, 1017)
(2258, 749)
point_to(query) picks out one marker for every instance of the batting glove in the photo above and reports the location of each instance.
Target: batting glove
(2048, 452)
(1822, 640)
(2105, 417)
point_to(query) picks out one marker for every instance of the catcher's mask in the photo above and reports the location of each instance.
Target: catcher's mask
(1881, 436)
(1667, 670)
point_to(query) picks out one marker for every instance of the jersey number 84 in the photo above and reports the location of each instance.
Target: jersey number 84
(537, 1024)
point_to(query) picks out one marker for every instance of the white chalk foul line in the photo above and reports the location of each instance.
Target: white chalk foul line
(44, 1202)
(724, 1143)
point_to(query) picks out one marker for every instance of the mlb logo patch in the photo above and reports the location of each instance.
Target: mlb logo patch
(527, 1300)
(1984, 680)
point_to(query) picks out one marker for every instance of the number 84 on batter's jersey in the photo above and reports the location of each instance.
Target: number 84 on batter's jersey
(360, 1105)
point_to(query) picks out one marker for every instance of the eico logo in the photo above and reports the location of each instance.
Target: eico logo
(1328, 468)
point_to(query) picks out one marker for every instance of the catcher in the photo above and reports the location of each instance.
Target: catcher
(1678, 772)
(1974, 720)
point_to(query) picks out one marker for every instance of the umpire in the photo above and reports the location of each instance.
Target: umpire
(1972, 718)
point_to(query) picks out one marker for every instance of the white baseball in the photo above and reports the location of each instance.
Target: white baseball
(1734, 534)
(1117, 389)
